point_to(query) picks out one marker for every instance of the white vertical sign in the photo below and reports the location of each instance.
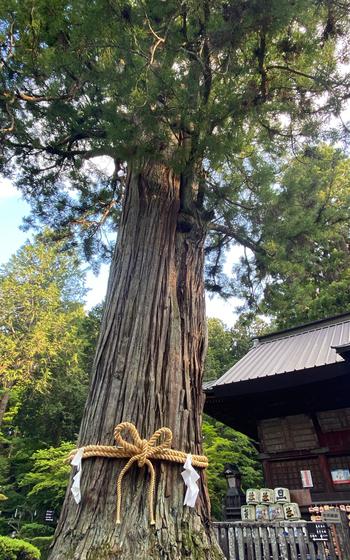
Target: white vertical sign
(306, 479)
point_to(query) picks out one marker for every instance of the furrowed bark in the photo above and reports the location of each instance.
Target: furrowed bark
(148, 370)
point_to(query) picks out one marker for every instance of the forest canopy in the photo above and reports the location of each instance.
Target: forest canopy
(236, 98)
(218, 91)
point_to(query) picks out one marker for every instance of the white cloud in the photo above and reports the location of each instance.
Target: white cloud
(7, 190)
(97, 286)
(222, 309)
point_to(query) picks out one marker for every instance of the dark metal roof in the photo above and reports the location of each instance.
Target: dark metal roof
(293, 350)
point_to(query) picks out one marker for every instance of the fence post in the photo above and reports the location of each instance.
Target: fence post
(223, 540)
(343, 534)
(281, 541)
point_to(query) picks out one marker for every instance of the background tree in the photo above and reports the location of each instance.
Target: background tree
(181, 92)
(38, 317)
(304, 221)
(225, 445)
(228, 345)
(42, 316)
(219, 356)
(40, 428)
(46, 483)
(53, 415)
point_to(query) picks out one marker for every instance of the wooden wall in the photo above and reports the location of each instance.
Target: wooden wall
(289, 433)
(319, 443)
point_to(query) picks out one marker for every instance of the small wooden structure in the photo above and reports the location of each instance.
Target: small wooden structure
(291, 393)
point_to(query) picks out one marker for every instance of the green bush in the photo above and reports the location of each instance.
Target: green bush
(16, 549)
(43, 544)
(32, 530)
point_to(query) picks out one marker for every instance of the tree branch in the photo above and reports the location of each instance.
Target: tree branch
(237, 235)
(316, 79)
(11, 126)
(34, 98)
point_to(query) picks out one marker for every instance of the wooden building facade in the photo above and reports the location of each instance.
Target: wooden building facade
(291, 393)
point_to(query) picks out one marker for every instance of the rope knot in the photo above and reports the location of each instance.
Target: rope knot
(140, 451)
(144, 453)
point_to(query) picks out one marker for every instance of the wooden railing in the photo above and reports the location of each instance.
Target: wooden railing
(279, 541)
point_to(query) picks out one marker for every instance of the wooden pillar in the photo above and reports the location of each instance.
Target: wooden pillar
(267, 473)
(322, 459)
(326, 474)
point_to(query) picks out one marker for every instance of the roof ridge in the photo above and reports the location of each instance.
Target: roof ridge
(314, 348)
(302, 329)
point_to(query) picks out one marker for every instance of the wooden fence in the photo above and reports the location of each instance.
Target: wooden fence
(279, 541)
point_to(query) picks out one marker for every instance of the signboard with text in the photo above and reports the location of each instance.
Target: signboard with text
(331, 516)
(317, 531)
(341, 476)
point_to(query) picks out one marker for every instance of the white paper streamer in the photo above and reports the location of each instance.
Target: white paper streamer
(77, 462)
(190, 477)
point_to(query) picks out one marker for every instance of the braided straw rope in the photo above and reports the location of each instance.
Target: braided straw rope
(140, 451)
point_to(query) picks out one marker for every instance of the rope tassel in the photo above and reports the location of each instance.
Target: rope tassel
(142, 452)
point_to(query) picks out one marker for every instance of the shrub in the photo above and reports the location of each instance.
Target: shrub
(43, 544)
(16, 549)
(32, 530)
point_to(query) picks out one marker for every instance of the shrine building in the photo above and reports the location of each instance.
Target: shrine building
(291, 394)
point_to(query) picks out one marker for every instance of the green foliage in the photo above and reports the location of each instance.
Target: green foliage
(34, 482)
(220, 349)
(228, 345)
(15, 549)
(311, 269)
(88, 333)
(46, 483)
(209, 89)
(247, 327)
(304, 273)
(225, 445)
(30, 531)
(54, 415)
(38, 316)
(43, 544)
(221, 443)
(55, 340)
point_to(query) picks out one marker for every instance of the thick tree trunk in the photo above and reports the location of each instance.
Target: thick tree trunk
(148, 370)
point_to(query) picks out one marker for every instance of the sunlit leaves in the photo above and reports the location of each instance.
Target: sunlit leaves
(39, 312)
(225, 445)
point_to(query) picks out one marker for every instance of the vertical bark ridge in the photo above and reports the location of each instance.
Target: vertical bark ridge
(147, 370)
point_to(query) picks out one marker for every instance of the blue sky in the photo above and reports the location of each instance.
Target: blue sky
(12, 210)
